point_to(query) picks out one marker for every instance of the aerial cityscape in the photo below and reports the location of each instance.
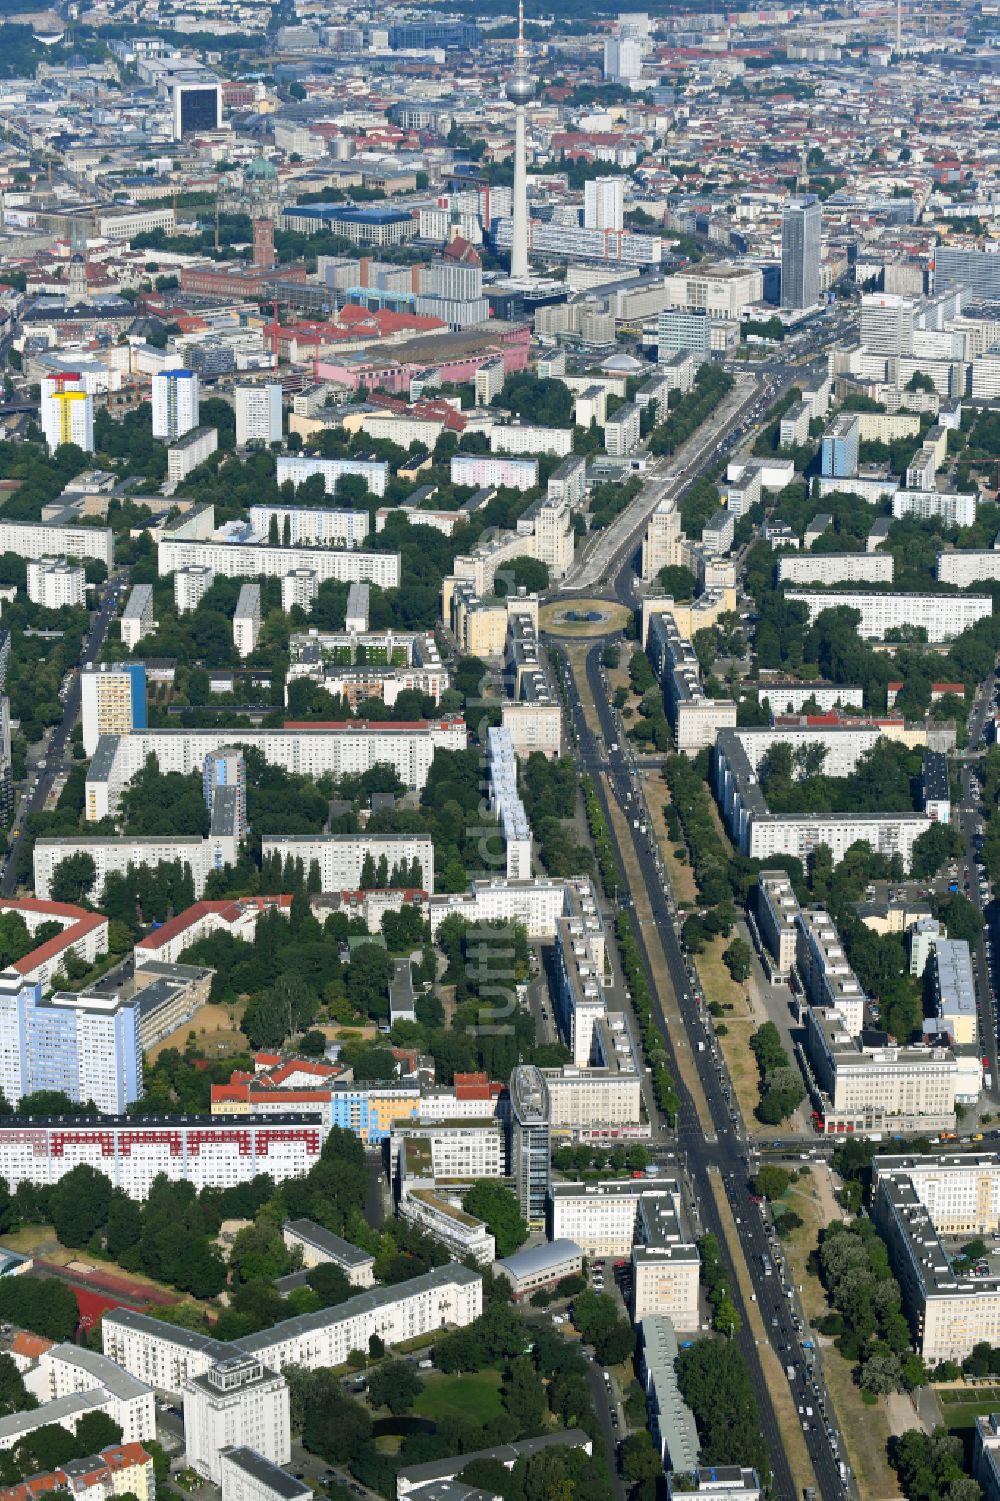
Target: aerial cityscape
(499, 751)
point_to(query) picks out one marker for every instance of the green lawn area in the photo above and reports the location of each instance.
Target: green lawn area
(962, 1405)
(474, 1397)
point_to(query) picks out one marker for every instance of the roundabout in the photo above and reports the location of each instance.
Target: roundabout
(582, 618)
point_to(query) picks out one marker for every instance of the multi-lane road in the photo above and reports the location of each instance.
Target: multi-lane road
(722, 1154)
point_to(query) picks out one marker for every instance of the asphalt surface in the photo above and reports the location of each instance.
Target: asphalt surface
(58, 752)
(968, 817)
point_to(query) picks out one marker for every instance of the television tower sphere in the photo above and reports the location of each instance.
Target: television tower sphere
(520, 89)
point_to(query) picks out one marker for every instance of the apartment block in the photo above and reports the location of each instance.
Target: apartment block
(777, 920)
(835, 568)
(247, 620)
(296, 469)
(348, 862)
(237, 1402)
(190, 450)
(137, 617)
(695, 718)
(942, 616)
(238, 559)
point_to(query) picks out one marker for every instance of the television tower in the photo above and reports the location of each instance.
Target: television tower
(520, 89)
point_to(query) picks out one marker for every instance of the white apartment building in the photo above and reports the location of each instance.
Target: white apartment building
(954, 508)
(827, 977)
(536, 903)
(115, 855)
(309, 750)
(137, 617)
(191, 583)
(301, 526)
(870, 1085)
(65, 1368)
(622, 431)
(478, 470)
(248, 1476)
(247, 619)
(961, 569)
(64, 1411)
(777, 914)
(341, 858)
(132, 1150)
(505, 802)
(32, 539)
(664, 544)
(604, 203)
(54, 582)
(525, 437)
(942, 616)
(176, 403)
(237, 1402)
(357, 611)
(916, 1204)
(835, 567)
(450, 1294)
(186, 453)
(319, 1247)
(253, 560)
(295, 469)
(299, 586)
(258, 414)
(533, 727)
(791, 698)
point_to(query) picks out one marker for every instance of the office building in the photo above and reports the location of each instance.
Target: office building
(175, 404)
(604, 203)
(197, 104)
(801, 226)
(54, 583)
(112, 701)
(247, 620)
(721, 290)
(539, 1267)
(887, 324)
(237, 1402)
(258, 415)
(868, 1084)
(530, 1148)
(137, 617)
